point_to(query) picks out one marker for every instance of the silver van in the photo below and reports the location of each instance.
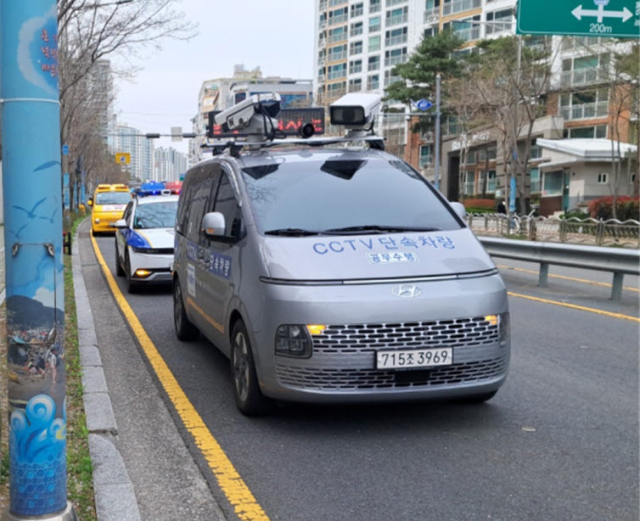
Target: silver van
(336, 275)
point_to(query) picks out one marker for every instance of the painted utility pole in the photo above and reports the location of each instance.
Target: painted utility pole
(33, 259)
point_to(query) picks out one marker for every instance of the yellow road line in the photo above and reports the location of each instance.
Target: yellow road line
(574, 306)
(234, 488)
(574, 279)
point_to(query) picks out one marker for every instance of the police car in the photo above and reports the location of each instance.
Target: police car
(330, 271)
(144, 240)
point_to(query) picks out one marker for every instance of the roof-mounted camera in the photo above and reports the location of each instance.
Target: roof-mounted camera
(356, 112)
(253, 118)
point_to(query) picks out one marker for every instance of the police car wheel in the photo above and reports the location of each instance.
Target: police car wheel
(185, 330)
(132, 286)
(119, 270)
(249, 399)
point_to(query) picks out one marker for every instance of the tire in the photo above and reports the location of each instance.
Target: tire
(246, 389)
(185, 330)
(478, 398)
(119, 270)
(132, 286)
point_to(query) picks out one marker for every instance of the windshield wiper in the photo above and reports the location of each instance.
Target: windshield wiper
(379, 229)
(292, 232)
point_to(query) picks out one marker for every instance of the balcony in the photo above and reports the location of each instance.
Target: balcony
(395, 60)
(356, 31)
(432, 15)
(337, 75)
(397, 20)
(323, 6)
(322, 43)
(579, 77)
(585, 111)
(468, 35)
(340, 19)
(391, 3)
(333, 94)
(375, 8)
(388, 80)
(395, 40)
(322, 61)
(459, 6)
(337, 56)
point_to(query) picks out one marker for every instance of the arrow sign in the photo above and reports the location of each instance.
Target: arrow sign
(601, 14)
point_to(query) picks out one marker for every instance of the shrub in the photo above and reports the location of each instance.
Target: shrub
(626, 208)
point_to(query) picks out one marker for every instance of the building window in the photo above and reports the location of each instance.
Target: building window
(373, 82)
(337, 35)
(585, 104)
(374, 63)
(333, 3)
(357, 10)
(536, 181)
(598, 132)
(355, 48)
(603, 179)
(458, 6)
(471, 157)
(426, 156)
(338, 16)
(390, 78)
(498, 21)
(469, 183)
(336, 89)
(356, 29)
(375, 6)
(374, 43)
(397, 16)
(335, 72)
(374, 24)
(355, 85)
(465, 29)
(338, 53)
(395, 56)
(396, 36)
(552, 183)
(536, 151)
(391, 3)
(491, 181)
(432, 10)
(585, 70)
(355, 67)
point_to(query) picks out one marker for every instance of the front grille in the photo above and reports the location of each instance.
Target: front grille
(348, 379)
(344, 355)
(459, 332)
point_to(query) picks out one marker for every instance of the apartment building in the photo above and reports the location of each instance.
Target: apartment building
(132, 141)
(170, 164)
(358, 42)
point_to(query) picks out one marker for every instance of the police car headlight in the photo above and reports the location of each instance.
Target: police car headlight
(293, 341)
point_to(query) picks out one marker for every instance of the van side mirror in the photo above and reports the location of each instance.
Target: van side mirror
(214, 225)
(459, 209)
(90, 201)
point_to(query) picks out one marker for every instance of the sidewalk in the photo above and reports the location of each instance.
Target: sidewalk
(142, 466)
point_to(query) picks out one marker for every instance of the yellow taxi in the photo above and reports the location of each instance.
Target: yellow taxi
(108, 204)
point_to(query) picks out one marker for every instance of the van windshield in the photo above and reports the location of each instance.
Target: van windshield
(362, 196)
(113, 198)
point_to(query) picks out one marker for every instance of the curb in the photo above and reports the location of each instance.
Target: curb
(113, 490)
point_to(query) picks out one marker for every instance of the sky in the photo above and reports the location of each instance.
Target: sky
(276, 35)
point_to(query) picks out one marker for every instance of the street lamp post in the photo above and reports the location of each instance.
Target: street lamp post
(33, 261)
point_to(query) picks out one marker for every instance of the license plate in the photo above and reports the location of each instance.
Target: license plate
(414, 358)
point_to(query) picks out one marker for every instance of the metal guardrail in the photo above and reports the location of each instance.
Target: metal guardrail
(588, 231)
(619, 261)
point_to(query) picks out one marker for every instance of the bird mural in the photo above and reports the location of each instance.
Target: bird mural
(50, 219)
(31, 213)
(18, 235)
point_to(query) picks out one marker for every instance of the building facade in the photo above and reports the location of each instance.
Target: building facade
(170, 164)
(130, 140)
(221, 93)
(358, 42)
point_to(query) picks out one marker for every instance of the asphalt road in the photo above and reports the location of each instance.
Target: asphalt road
(558, 442)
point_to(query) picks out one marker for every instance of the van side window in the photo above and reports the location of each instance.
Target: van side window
(227, 205)
(198, 198)
(182, 219)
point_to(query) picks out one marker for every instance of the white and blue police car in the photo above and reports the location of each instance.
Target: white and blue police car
(144, 240)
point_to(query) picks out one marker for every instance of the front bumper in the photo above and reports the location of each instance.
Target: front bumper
(158, 264)
(364, 319)
(102, 222)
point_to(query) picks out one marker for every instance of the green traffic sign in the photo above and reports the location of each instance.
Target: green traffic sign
(606, 18)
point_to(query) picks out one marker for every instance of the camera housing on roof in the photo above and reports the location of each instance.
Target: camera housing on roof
(355, 111)
(255, 116)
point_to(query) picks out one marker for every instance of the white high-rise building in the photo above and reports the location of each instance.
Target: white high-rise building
(170, 164)
(130, 140)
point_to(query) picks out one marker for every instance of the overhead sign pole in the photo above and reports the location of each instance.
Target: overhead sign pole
(606, 18)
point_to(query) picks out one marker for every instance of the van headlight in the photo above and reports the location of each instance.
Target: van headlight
(504, 329)
(293, 341)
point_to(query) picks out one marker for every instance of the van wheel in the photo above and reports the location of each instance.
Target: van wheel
(477, 398)
(132, 286)
(185, 330)
(249, 398)
(119, 270)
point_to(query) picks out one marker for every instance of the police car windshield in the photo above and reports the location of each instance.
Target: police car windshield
(155, 215)
(364, 196)
(113, 198)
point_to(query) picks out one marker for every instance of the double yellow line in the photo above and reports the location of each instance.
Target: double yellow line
(245, 505)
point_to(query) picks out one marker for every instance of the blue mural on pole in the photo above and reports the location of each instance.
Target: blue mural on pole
(33, 256)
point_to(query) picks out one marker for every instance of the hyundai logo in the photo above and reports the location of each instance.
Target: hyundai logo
(407, 291)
